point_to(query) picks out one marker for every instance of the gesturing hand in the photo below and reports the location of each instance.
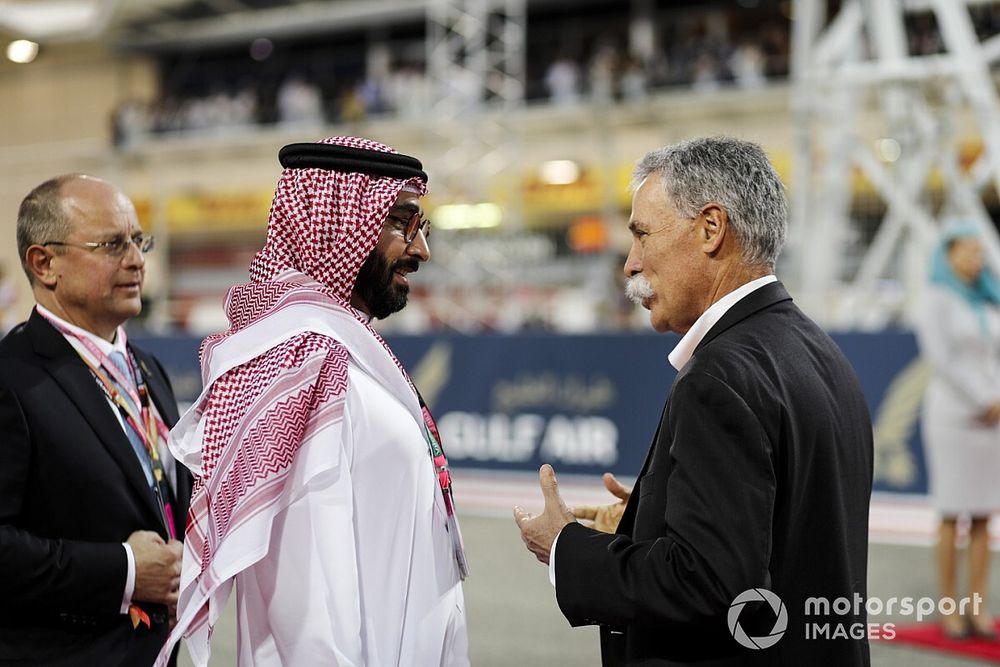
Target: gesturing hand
(606, 517)
(538, 532)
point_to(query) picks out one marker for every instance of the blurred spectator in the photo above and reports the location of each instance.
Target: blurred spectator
(603, 71)
(371, 91)
(774, 38)
(705, 73)
(747, 65)
(299, 102)
(167, 116)
(635, 81)
(563, 81)
(243, 107)
(959, 335)
(351, 106)
(406, 91)
(129, 122)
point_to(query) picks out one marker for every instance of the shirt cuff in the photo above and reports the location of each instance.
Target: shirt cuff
(129, 579)
(552, 562)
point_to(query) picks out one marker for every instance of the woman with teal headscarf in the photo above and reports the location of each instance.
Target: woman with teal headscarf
(959, 335)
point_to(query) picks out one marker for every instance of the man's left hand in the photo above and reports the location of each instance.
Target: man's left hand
(539, 532)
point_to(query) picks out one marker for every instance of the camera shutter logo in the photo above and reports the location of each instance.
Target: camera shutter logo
(780, 623)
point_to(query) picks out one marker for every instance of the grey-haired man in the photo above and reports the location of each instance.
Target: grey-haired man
(759, 475)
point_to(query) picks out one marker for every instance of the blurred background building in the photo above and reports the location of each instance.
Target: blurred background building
(528, 114)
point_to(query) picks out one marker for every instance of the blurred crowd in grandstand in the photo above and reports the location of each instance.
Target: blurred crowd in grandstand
(574, 56)
(597, 60)
(702, 49)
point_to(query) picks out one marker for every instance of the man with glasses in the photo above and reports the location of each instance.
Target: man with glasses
(92, 504)
(323, 490)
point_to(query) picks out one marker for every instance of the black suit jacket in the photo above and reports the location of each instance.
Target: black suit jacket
(71, 491)
(759, 475)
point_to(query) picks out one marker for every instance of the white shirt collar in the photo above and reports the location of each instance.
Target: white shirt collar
(682, 353)
(102, 345)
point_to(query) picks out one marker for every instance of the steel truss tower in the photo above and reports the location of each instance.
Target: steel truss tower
(863, 104)
(476, 72)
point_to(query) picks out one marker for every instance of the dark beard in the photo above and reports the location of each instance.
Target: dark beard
(375, 285)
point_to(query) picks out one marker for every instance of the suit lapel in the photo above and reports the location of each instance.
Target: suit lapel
(68, 370)
(158, 389)
(652, 446)
(625, 524)
(163, 399)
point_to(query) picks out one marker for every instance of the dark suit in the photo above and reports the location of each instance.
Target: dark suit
(759, 475)
(71, 491)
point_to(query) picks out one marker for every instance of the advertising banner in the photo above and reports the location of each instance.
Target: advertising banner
(590, 404)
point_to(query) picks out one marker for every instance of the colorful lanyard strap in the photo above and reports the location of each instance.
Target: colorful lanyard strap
(436, 452)
(149, 429)
(145, 424)
(437, 455)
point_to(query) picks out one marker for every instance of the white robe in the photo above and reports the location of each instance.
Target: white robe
(360, 569)
(963, 453)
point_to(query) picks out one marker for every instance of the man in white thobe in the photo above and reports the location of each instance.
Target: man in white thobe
(322, 488)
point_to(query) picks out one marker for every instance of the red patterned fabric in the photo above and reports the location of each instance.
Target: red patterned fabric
(349, 210)
(322, 224)
(321, 228)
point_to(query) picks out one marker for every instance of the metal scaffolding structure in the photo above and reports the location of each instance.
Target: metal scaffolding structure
(475, 77)
(476, 74)
(863, 104)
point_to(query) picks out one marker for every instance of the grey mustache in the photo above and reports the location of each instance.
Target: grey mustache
(638, 288)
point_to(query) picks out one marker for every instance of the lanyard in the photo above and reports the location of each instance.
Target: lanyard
(113, 382)
(444, 479)
(437, 454)
(144, 424)
(150, 433)
(128, 384)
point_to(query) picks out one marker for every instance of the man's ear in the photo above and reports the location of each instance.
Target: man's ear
(714, 226)
(39, 262)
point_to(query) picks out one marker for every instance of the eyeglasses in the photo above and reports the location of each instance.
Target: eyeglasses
(117, 248)
(410, 226)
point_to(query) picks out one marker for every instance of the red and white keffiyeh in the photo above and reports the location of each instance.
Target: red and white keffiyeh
(267, 388)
